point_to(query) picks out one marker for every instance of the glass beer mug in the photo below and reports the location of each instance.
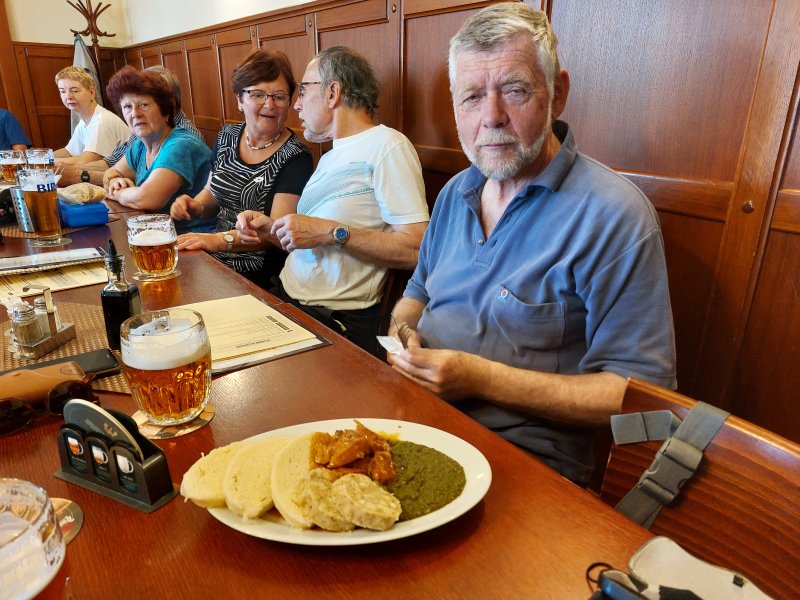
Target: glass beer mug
(40, 158)
(166, 358)
(154, 247)
(11, 161)
(41, 203)
(31, 545)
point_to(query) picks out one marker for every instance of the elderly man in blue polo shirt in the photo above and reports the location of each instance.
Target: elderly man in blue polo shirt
(541, 282)
(12, 136)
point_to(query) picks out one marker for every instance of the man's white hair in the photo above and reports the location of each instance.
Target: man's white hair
(498, 24)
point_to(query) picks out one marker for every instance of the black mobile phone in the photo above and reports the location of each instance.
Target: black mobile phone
(101, 363)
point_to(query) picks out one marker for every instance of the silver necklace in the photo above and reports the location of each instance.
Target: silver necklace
(265, 146)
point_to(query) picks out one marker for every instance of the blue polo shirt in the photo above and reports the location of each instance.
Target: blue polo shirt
(11, 131)
(571, 280)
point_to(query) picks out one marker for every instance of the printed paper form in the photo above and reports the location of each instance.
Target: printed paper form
(244, 325)
(63, 278)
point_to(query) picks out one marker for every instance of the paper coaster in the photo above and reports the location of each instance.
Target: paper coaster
(165, 432)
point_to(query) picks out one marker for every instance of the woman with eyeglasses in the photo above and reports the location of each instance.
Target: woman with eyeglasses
(257, 165)
(165, 161)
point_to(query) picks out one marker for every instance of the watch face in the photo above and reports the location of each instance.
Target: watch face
(340, 233)
(228, 238)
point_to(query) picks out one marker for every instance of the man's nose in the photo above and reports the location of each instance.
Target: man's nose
(494, 114)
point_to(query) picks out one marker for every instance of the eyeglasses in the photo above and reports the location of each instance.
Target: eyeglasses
(259, 97)
(301, 88)
(16, 414)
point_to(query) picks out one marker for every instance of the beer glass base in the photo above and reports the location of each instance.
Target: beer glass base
(60, 241)
(166, 421)
(139, 276)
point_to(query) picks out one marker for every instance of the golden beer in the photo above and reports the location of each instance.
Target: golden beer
(11, 161)
(10, 170)
(156, 259)
(43, 211)
(154, 246)
(166, 358)
(171, 395)
(41, 204)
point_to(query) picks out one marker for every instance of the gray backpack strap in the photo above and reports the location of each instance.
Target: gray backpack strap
(676, 460)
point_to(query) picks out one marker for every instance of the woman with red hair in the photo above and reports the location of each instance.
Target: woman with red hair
(164, 162)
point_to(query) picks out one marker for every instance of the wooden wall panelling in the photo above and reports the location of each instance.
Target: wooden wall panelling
(232, 46)
(427, 116)
(48, 117)
(133, 57)
(10, 84)
(746, 232)
(204, 85)
(766, 378)
(151, 56)
(174, 59)
(111, 61)
(372, 28)
(680, 141)
(295, 37)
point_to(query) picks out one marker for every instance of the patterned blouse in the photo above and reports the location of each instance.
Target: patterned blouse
(237, 186)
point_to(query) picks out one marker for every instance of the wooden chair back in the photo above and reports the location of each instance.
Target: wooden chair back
(741, 510)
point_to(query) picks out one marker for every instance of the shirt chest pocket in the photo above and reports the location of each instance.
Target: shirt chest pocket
(524, 335)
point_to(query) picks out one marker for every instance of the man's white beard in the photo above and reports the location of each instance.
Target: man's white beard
(502, 169)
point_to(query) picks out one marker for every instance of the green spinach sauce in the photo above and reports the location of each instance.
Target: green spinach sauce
(425, 480)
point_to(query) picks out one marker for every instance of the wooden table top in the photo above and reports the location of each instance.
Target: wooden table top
(532, 536)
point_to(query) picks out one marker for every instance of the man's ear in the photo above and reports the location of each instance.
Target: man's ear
(334, 94)
(560, 92)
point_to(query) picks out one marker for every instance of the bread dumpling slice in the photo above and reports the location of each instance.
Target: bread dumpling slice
(364, 502)
(289, 473)
(248, 480)
(202, 483)
(321, 507)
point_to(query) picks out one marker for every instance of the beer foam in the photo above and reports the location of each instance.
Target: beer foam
(146, 350)
(151, 237)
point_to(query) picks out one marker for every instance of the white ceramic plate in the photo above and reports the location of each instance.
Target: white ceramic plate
(476, 469)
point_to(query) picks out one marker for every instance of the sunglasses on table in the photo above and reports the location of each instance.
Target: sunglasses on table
(16, 414)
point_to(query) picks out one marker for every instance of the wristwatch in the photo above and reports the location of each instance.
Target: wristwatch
(340, 235)
(229, 239)
(85, 176)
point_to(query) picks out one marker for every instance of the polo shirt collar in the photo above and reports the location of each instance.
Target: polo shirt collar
(551, 177)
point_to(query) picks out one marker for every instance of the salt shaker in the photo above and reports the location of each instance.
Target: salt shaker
(25, 324)
(40, 307)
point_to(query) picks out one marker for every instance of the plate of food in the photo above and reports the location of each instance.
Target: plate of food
(340, 482)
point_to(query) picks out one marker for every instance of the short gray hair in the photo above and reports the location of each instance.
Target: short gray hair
(500, 23)
(360, 87)
(172, 81)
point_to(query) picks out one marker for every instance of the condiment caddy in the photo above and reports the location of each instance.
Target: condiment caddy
(37, 333)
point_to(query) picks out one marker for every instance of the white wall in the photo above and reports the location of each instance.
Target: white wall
(134, 21)
(50, 21)
(153, 19)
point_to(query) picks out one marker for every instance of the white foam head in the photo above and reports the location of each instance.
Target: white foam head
(153, 346)
(151, 237)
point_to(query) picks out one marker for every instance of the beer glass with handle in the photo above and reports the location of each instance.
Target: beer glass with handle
(166, 358)
(40, 158)
(41, 202)
(32, 547)
(11, 161)
(154, 247)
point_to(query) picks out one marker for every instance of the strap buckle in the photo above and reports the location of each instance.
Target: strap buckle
(675, 463)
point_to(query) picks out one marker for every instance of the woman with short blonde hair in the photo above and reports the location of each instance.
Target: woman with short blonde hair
(99, 131)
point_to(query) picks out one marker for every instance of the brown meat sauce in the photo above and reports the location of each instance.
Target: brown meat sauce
(358, 450)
